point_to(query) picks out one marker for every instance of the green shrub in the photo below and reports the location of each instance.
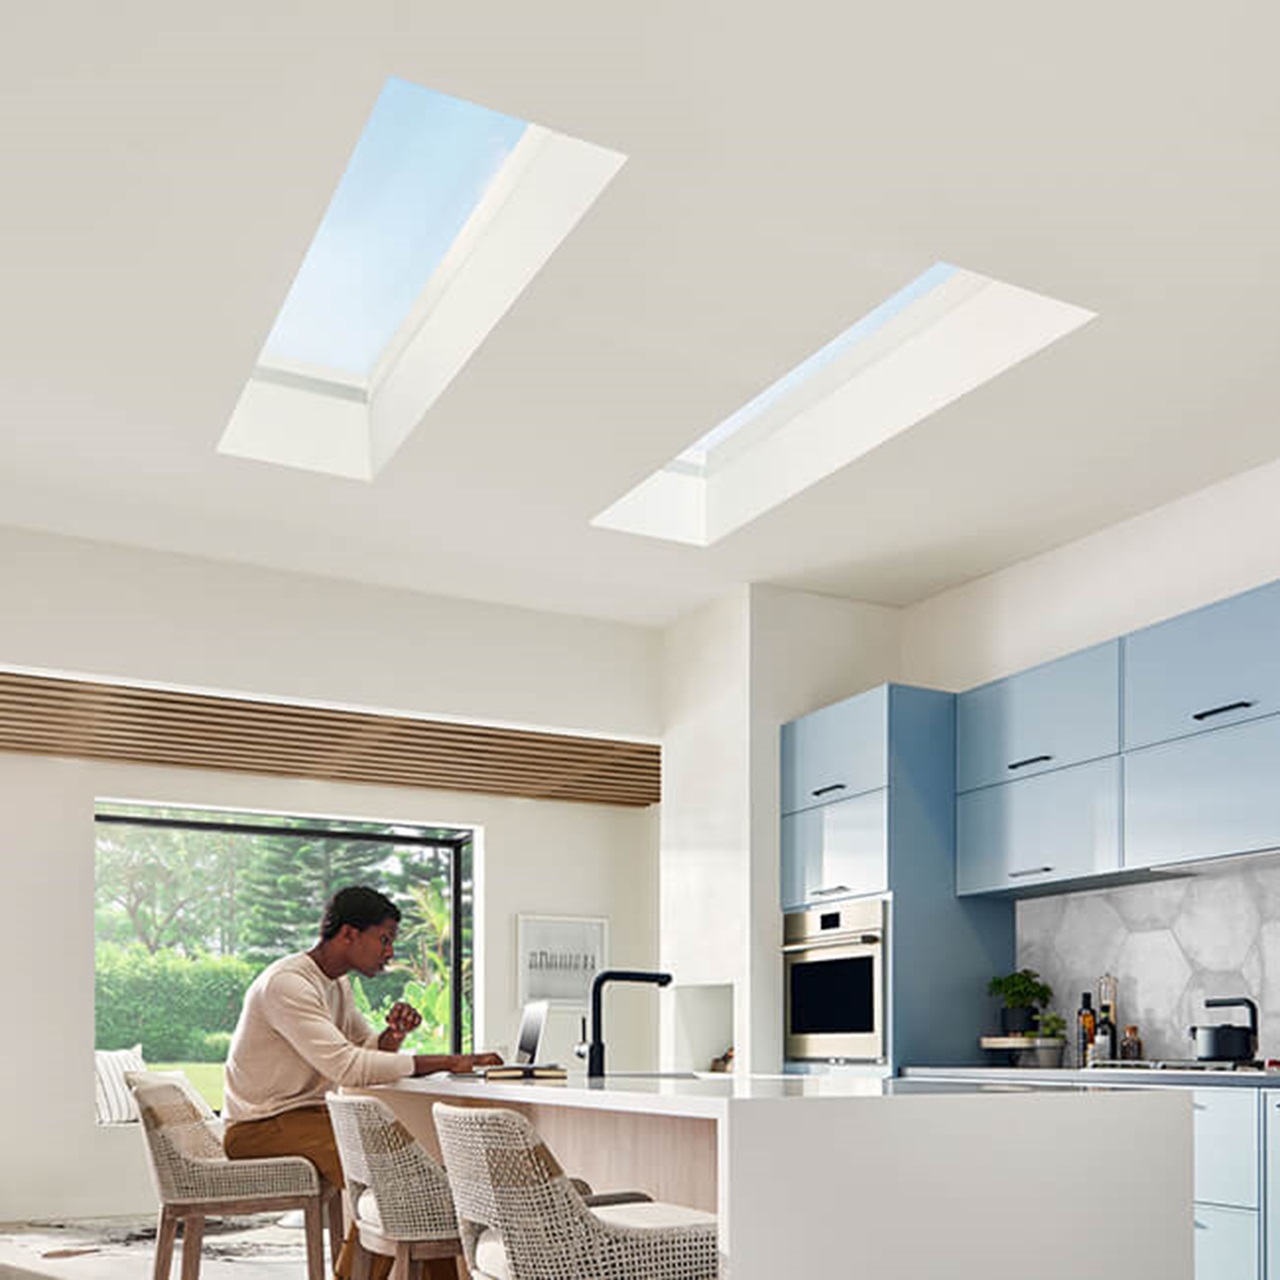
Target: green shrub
(176, 1005)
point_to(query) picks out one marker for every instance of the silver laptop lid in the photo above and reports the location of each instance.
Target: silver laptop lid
(533, 1023)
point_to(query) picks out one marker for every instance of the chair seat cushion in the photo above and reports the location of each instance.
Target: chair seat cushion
(491, 1257)
(653, 1213)
(366, 1210)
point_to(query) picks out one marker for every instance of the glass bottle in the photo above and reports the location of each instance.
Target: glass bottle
(1108, 990)
(1104, 1036)
(1131, 1045)
(1086, 1023)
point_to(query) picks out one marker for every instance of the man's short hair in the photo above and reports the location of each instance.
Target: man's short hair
(358, 906)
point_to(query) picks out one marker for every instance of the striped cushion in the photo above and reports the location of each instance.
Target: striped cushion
(112, 1098)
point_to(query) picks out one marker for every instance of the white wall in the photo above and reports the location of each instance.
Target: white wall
(1214, 543)
(536, 857)
(733, 672)
(92, 609)
(89, 609)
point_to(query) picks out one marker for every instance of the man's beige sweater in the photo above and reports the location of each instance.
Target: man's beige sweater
(300, 1035)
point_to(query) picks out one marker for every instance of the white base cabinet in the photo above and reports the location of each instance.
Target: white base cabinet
(1226, 1243)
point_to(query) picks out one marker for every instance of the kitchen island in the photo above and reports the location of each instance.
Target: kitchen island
(862, 1176)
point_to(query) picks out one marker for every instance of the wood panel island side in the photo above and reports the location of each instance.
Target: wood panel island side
(861, 1176)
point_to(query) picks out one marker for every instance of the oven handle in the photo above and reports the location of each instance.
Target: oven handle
(825, 944)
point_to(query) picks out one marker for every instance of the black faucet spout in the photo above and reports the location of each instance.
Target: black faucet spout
(595, 1049)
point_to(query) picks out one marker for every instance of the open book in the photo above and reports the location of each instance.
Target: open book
(524, 1071)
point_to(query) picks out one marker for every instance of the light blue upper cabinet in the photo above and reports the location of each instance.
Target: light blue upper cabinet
(1064, 825)
(1202, 670)
(1057, 714)
(837, 752)
(1203, 797)
(835, 851)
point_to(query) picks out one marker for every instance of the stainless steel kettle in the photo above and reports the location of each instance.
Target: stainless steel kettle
(1227, 1042)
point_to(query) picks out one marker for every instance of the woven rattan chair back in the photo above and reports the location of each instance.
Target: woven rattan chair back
(379, 1154)
(505, 1179)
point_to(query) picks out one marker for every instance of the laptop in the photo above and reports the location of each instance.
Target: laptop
(533, 1026)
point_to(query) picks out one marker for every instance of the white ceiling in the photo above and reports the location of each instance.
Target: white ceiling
(792, 163)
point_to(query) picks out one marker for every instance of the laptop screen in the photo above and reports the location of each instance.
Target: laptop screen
(533, 1022)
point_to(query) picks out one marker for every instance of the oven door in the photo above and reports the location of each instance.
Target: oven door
(834, 995)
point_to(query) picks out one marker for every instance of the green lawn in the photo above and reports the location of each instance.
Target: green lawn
(206, 1076)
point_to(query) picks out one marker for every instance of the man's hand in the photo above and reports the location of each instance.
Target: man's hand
(425, 1064)
(401, 1019)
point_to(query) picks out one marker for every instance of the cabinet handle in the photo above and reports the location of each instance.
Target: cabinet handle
(1020, 764)
(1222, 710)
(835, 888)
(822, 791)
(1028, 871)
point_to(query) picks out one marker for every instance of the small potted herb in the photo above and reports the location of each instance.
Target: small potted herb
(1024, 995)
(1050, 1043)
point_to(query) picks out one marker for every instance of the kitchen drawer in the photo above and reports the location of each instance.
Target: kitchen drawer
(1226, 1243)
(836, 752)
(835, 851)
(1202, 670)
(1061, 713)
(1060, 826)
(1203, 797)
(1226, 1146)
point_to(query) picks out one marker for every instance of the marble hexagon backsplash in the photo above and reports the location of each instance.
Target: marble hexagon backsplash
(1172, 944)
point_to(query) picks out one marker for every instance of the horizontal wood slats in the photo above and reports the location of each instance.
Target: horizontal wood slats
(50, 716)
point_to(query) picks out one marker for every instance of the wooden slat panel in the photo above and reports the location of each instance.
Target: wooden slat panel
(49, 716)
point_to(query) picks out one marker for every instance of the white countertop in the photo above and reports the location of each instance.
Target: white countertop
(708, 1095)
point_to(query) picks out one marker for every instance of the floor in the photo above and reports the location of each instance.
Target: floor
(258, 1248)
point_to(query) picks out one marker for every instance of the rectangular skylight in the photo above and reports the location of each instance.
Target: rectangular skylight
(446, 212)
(944, 334)
(420, 168)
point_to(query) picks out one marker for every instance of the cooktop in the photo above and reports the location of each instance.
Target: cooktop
(1180, 1064)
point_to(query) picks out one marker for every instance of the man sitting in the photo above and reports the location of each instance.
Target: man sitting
(300, 1035)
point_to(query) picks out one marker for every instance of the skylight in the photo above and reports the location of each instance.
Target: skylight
(944, 334)
(445, 213)
(415, 177)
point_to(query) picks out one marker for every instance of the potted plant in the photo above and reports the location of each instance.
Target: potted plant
(1050, 1043)
(1024, 995)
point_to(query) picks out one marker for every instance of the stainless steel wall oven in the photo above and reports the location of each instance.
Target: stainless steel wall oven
(833, 979)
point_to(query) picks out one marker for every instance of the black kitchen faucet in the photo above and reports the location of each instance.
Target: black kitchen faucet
(595, 1048)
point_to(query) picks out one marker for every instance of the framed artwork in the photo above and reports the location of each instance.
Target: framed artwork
(557, 957)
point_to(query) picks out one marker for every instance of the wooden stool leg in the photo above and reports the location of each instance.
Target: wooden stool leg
(337, 1227)
(192, 1243)
(314, 1223)
(166, 1230)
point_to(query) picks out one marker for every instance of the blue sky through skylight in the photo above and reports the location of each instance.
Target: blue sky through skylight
(420, 168)
(860, 331)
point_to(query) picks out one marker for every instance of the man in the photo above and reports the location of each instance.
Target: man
(300, 1035)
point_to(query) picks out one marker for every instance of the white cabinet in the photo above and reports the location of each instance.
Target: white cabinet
(1226, 1144)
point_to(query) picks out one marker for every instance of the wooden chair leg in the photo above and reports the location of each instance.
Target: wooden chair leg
(337, 1226)
(314, 1222)
(166, 1230)
(400, 1267)
(192, 1243)
(361, 1262)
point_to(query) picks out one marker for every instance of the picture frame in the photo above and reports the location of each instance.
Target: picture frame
(558, 956)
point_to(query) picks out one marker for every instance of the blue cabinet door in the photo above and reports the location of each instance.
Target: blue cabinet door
(835, 851)
(1226, 1243)
(1203, 797)
(836, 752)
(1271, 1181)
(1226, 1146)
(1060, 826)
(1061, 713)
(1212, 667)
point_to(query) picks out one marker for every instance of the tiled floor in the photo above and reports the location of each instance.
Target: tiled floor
(124, 1249)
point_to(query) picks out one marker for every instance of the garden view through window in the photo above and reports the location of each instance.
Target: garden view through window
(192, 904)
